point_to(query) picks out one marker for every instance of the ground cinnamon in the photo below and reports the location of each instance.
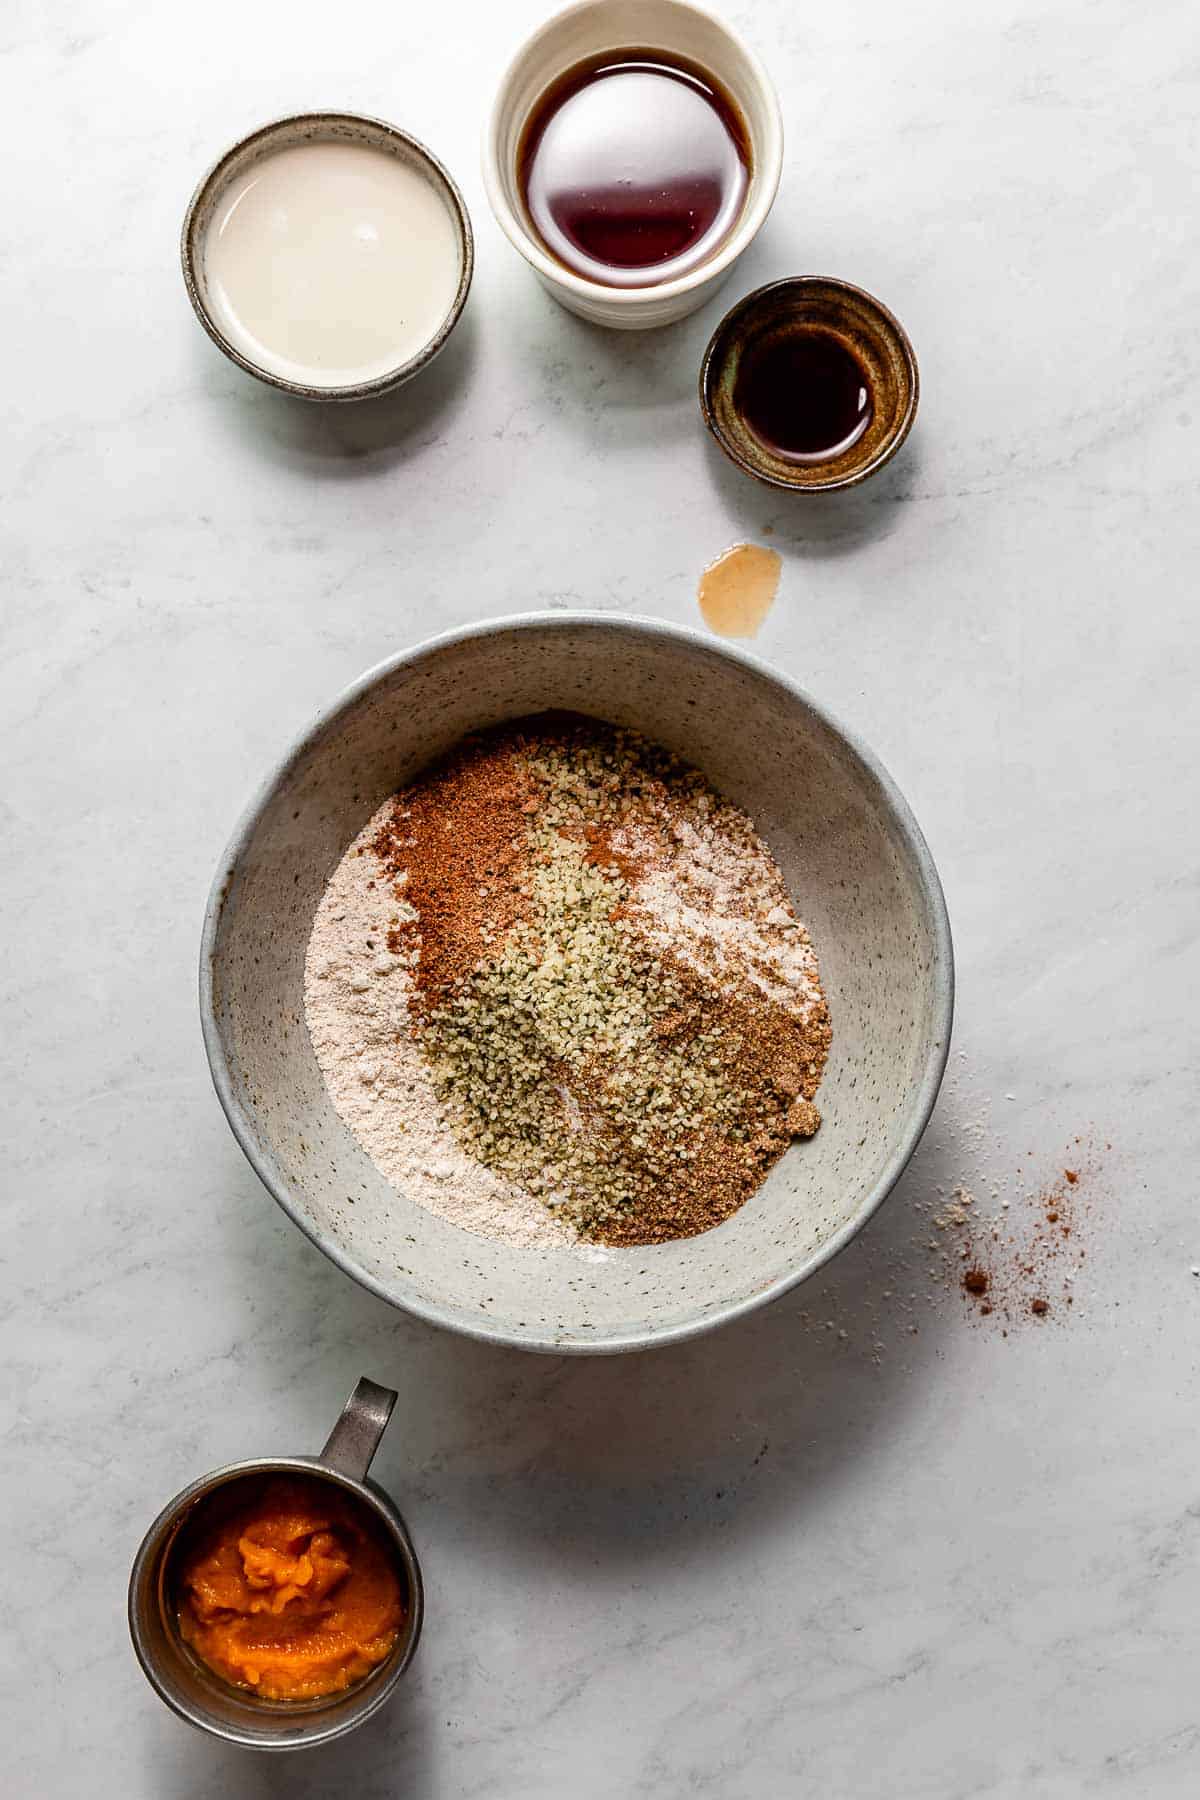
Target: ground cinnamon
(1014, 1261)
(456, 844)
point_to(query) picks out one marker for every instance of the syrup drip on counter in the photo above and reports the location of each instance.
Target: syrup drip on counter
(738, 589)
(804, 395)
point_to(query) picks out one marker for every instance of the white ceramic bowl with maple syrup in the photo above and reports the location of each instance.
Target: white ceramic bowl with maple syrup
(671, 37)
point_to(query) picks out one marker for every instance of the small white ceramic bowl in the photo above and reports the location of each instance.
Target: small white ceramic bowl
(857, 867)
(594, 27)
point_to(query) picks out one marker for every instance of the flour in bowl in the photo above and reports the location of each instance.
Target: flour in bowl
(559, 991)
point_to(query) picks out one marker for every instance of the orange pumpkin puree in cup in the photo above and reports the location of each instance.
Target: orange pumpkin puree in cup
(291, 1590)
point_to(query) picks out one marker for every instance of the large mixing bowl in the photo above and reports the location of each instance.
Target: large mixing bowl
(858, 870)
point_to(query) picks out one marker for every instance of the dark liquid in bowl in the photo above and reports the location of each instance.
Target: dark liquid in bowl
(633, 168)
(804, 395)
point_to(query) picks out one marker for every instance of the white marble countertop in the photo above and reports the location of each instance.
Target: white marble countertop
(779, 1560)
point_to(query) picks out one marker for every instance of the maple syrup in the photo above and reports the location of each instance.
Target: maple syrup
(633, 167)
(737, 589)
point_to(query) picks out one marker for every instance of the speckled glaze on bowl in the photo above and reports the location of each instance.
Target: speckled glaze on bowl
(800, 304)
(857, 866)
(322, 127)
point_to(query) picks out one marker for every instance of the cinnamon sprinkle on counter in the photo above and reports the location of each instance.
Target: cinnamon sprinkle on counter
(1021, 1254)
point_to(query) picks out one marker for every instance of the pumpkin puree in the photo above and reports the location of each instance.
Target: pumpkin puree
(293, 1593)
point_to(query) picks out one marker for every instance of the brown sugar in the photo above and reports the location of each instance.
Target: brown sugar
(765, 1056)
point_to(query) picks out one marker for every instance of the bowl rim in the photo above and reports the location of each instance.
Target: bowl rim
(716, 353)
(635, 626)
(457, 206)
(738, 240)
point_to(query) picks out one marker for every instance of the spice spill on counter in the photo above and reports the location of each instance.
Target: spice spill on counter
(1010, 1247)
(1026, 1261)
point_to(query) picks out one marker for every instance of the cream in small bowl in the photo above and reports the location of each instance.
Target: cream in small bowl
(328, 254)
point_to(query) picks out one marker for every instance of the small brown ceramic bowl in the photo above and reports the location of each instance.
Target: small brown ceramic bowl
(806, 305)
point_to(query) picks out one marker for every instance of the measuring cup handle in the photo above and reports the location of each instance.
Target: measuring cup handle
(355, 1438)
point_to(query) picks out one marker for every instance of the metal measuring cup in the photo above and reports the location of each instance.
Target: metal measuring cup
(187, 1685)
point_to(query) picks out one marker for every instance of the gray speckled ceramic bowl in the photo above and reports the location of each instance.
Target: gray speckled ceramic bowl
(283, 134)
(857, 866)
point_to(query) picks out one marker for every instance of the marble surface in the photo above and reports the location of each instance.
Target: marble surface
(779, 1560)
